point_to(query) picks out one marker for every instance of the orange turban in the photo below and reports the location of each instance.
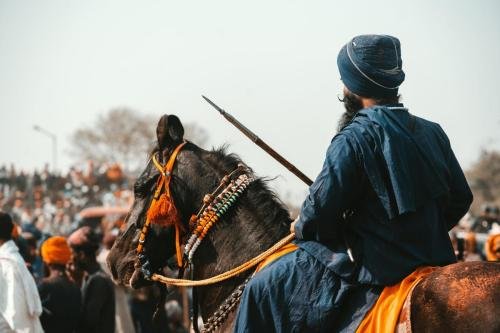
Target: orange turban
(492, 248)
(55, 250)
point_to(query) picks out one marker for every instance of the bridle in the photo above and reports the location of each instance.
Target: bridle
(162, 198)
(214, 206)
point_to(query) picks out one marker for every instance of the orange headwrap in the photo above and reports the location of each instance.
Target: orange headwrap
(55, 250)
(492, 247)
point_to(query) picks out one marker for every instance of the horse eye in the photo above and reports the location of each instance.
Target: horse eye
(138, 190)
(141, 187)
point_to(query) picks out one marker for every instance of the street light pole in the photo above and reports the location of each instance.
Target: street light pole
(53, 137)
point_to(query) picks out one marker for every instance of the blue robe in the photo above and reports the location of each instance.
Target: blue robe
(390, 189)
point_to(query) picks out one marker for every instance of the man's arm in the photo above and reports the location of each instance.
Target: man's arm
(332, 193)
(460, 193)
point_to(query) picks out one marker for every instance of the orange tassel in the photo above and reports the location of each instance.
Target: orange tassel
(163, 212)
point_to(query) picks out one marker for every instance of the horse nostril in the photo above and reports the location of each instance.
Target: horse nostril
(112, 269)
(137, 280)
(111, 263)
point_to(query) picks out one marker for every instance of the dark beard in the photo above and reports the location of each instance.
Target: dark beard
(352, 105)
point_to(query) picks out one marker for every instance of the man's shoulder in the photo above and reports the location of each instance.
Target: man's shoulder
(428, 123)
(377, 118)
(10, 256)
(56, 282)
(430, 129)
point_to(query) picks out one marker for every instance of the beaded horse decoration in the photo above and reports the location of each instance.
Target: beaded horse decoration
(163, 212)
(215, 205)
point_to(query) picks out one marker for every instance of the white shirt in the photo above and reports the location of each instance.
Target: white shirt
(20, 305)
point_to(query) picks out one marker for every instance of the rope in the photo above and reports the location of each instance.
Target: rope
(226, 275)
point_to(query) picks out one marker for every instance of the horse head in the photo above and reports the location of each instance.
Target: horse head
(258, 220)
(122, 258)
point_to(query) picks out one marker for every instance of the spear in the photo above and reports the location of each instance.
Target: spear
(258, 141)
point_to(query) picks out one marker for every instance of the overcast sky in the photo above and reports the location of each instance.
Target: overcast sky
(272, 64)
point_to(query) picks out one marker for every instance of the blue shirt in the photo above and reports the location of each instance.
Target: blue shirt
(390, 189)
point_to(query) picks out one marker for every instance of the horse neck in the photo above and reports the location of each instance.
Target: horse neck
(256, 222)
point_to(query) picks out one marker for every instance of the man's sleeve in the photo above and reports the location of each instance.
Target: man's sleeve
(332, 193)
(460, 193)
(254, 313)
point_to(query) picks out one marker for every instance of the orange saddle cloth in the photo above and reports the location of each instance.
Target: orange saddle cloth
(384, 315)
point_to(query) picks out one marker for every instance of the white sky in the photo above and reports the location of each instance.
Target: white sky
(272, 64)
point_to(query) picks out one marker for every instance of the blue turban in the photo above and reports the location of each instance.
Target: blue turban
(371, 66)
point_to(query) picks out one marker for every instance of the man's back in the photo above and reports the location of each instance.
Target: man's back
(392, 188)
(98, 304)
(61, 301)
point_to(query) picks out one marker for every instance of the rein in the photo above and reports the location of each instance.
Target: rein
(226, 275)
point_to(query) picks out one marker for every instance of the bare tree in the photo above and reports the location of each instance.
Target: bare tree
(484, 179)
(123, 136)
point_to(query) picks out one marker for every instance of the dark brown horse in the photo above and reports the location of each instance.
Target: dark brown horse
(463, 297)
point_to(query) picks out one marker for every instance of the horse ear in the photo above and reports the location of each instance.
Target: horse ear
(169, 132)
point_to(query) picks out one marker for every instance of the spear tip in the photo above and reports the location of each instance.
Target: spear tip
(213, 104)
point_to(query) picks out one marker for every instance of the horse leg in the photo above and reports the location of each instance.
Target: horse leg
(462, 297)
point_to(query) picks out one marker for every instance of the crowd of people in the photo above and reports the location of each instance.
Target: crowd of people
(478, 237)
(50, 202)
(56, 232)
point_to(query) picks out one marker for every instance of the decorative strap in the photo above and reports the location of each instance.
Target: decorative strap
(215, 209)
(166, 171)
(161, 211)
(229, 305)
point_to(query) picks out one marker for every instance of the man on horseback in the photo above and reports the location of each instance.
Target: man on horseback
(389, 191)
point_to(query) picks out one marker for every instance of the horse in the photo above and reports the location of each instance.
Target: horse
(461, 297)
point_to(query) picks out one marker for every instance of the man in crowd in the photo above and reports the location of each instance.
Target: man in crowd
(20, 305)
(61, 298)
(389, 192)
(123, 315)
(492, 247)
(98, 298)
(486, 220)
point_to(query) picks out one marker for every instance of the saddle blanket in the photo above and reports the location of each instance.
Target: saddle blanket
(391, 312)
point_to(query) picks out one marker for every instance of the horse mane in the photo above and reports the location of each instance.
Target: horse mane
(256, 222)
(260, 195)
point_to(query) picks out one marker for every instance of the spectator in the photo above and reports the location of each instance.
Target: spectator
(470, 248)
(485, 221)
(33, 262)
(123, 317)
(492, 248)
(174, 316)
(20, 305)
(143, 305)
(98, 297)
(61, 298)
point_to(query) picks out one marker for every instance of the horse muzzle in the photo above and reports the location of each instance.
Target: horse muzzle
(138, 280)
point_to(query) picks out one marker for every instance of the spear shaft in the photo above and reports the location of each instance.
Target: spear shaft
(258, 141)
